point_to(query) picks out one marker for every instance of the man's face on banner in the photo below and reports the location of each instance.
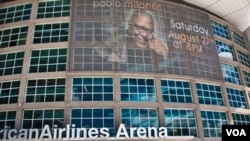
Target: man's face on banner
(142, 30)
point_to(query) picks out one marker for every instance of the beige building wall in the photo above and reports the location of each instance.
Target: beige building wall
(116, 104)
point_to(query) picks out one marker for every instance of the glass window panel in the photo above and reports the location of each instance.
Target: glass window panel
(244, 58)
(13, 37)
(238, 39)
(220, 29)
(50, 9)
(92, 89)
(230, 73)
(43, 33)
(8, 94)
(132, 117)
(176, 91)
(236, 98)
(225, 50)
(207, 94)
(246, 76)
(94, 118)
(44, 116)
(212, 123)
(132, 91)
(46, 62)
(13, 13)
(12, 63)
(46, 90)
(7, 119)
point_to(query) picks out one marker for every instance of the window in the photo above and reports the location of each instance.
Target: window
(209, 94)
(212, 123)
(241, 119)
(176, 91)
(176, 64)
(13, 37)
(180, 122)
(94, 118)
(11, 63)
(238, 39)
(49, 33)
(236, 98)
(53, 8)
(50, 60)
(9, 92)
(15, 13)
(230, 73)
(244, 58)
(220, 29)
(7, 119)
(93, 59)
(45, 90)
(141, 117)
(38, 118)
(246, 76)
(137, 60)
(87, 8)
(204, 67)
(92, 89)
(137, 89)
(225, 50)
(93, 31)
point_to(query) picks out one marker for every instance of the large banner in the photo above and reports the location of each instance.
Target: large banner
(142, 36)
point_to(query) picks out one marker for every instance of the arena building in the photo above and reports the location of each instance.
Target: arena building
(122, 69)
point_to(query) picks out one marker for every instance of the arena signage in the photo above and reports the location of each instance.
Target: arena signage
(73, 133)
(127, 3)
(180, 38)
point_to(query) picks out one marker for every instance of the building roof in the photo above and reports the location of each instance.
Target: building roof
(237, 12)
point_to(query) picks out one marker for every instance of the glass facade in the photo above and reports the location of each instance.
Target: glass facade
(11, 63)
(7, 119)
(238, 39)
(225, 50)
(87, 59)
(137, 89)
(236, 98)
(94, 118)
(9, 92)
(209, 94)
(15, 13)
(137, 61)
(48, 33)
(48, 60)
(176, 91)
(45, 90)
(139, 117)
(176, 65)
(52, 9)
(92, 89)
(230, 73)
(38, 118)
(180, 122)
(241, 119)
(246, 76)
(244, 58)
(212, 122)
(84, 31)
(13, 37)
(220, 29)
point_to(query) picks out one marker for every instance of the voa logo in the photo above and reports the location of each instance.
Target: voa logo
(236, 132)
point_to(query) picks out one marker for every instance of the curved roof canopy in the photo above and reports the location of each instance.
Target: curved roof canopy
(236, 12)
